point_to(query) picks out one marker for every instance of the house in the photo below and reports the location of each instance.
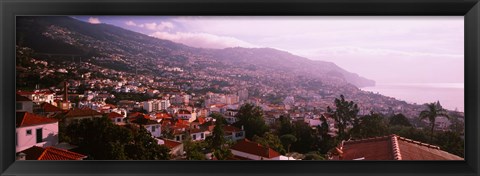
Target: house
(39, 96)
(248, 150)
(233, 133)
(79, 114)
(186, 115)
(23, 104)
(390, 147)
(151, 126)
(35, 130)
(197, 134)
(49, 110)
(48, 153)
(116, 118)
(176, 148)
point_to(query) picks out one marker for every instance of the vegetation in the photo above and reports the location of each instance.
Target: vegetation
(251, 118)
(433, 111)
(345, 114)
(272, 141)
(100, 139)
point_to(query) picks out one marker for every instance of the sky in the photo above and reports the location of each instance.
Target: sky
(386, 49)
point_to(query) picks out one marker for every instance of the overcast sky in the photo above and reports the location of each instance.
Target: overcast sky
(385, 49)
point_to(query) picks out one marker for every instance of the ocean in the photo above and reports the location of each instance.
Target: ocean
(450, 95)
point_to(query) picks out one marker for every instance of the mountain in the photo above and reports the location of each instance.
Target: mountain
(126, 50)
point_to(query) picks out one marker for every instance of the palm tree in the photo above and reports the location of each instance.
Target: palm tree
(433, 111)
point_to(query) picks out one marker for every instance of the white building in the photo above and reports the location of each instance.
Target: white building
(34, 130)
(248, 150)
(187, 115)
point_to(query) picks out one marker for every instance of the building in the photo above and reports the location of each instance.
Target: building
(35, 130)
(176, 148)
(248, 150)
(116, 118)
(79, 114)
(49, 110)
(23, 104)
(39, 96)
(186, 115)
(233, 133)
(156, 105)
(390, 147)
(151, 126)
(48, 153)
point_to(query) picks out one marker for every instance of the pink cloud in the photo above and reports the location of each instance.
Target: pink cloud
(93, 20)
(203, 40)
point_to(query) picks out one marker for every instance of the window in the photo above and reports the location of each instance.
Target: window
(178, 138)
(39, 135)
(202, 135)
(19, 106)
(239, 134)
(119, 119)
(194, 137)
(153, 128)
(29, 132)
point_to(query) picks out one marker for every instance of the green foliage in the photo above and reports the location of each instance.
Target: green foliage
(399, 120)
(345, 114)
(193, 149)
(272, 141)
(251, 118)
(314, 156)
(372, 125)
(433, 111)
(326, 142)
(287, 141)
(285, 126)
(103, 140)
(306, 138)
(451, 142)
(217, 142)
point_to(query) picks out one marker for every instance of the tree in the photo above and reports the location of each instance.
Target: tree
(345, 114)
(313, 156)
(193, 150)
(306, 138)
(433, 111)
(217, 142)
(371, 125)
(251, 118)
(285, 126)
(100, 139)
(326, 142)
(270, 140)
(287, 141)
(399, 120)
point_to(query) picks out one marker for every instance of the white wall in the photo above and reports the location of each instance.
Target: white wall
(50, 136)
(157, 132)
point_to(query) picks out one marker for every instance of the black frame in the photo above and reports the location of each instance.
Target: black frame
(10, 8)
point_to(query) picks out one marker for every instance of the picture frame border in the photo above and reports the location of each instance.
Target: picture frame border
(470, 9)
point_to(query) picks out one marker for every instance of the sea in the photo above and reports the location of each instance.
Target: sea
(450, 95)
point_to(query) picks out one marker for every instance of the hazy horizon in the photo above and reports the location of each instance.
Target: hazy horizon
(401, 49)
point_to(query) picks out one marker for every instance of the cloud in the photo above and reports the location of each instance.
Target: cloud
(164, 25)
(203, 40)
(93, 20)
(131, 23)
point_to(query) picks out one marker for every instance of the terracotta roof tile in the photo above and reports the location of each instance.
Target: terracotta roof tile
(24, 119)
(112, 115)
(47, 107)
(81, 113)
(50, 153)
(254, 148)
(171, 144)
(393, 147)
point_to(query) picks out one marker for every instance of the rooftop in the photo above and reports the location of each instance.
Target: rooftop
(391, 147)
(50, 153)
(25, 119)
(255, 148)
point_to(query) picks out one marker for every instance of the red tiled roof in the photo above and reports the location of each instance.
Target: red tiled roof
(24, 119)
(229, 128)
(21, 98)
(50, 153)
(81, 113)
(393, 147)
(254, 148)
(112, 115)
(162, 115)
(171, 144)
(47, 107)
(36, 92)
